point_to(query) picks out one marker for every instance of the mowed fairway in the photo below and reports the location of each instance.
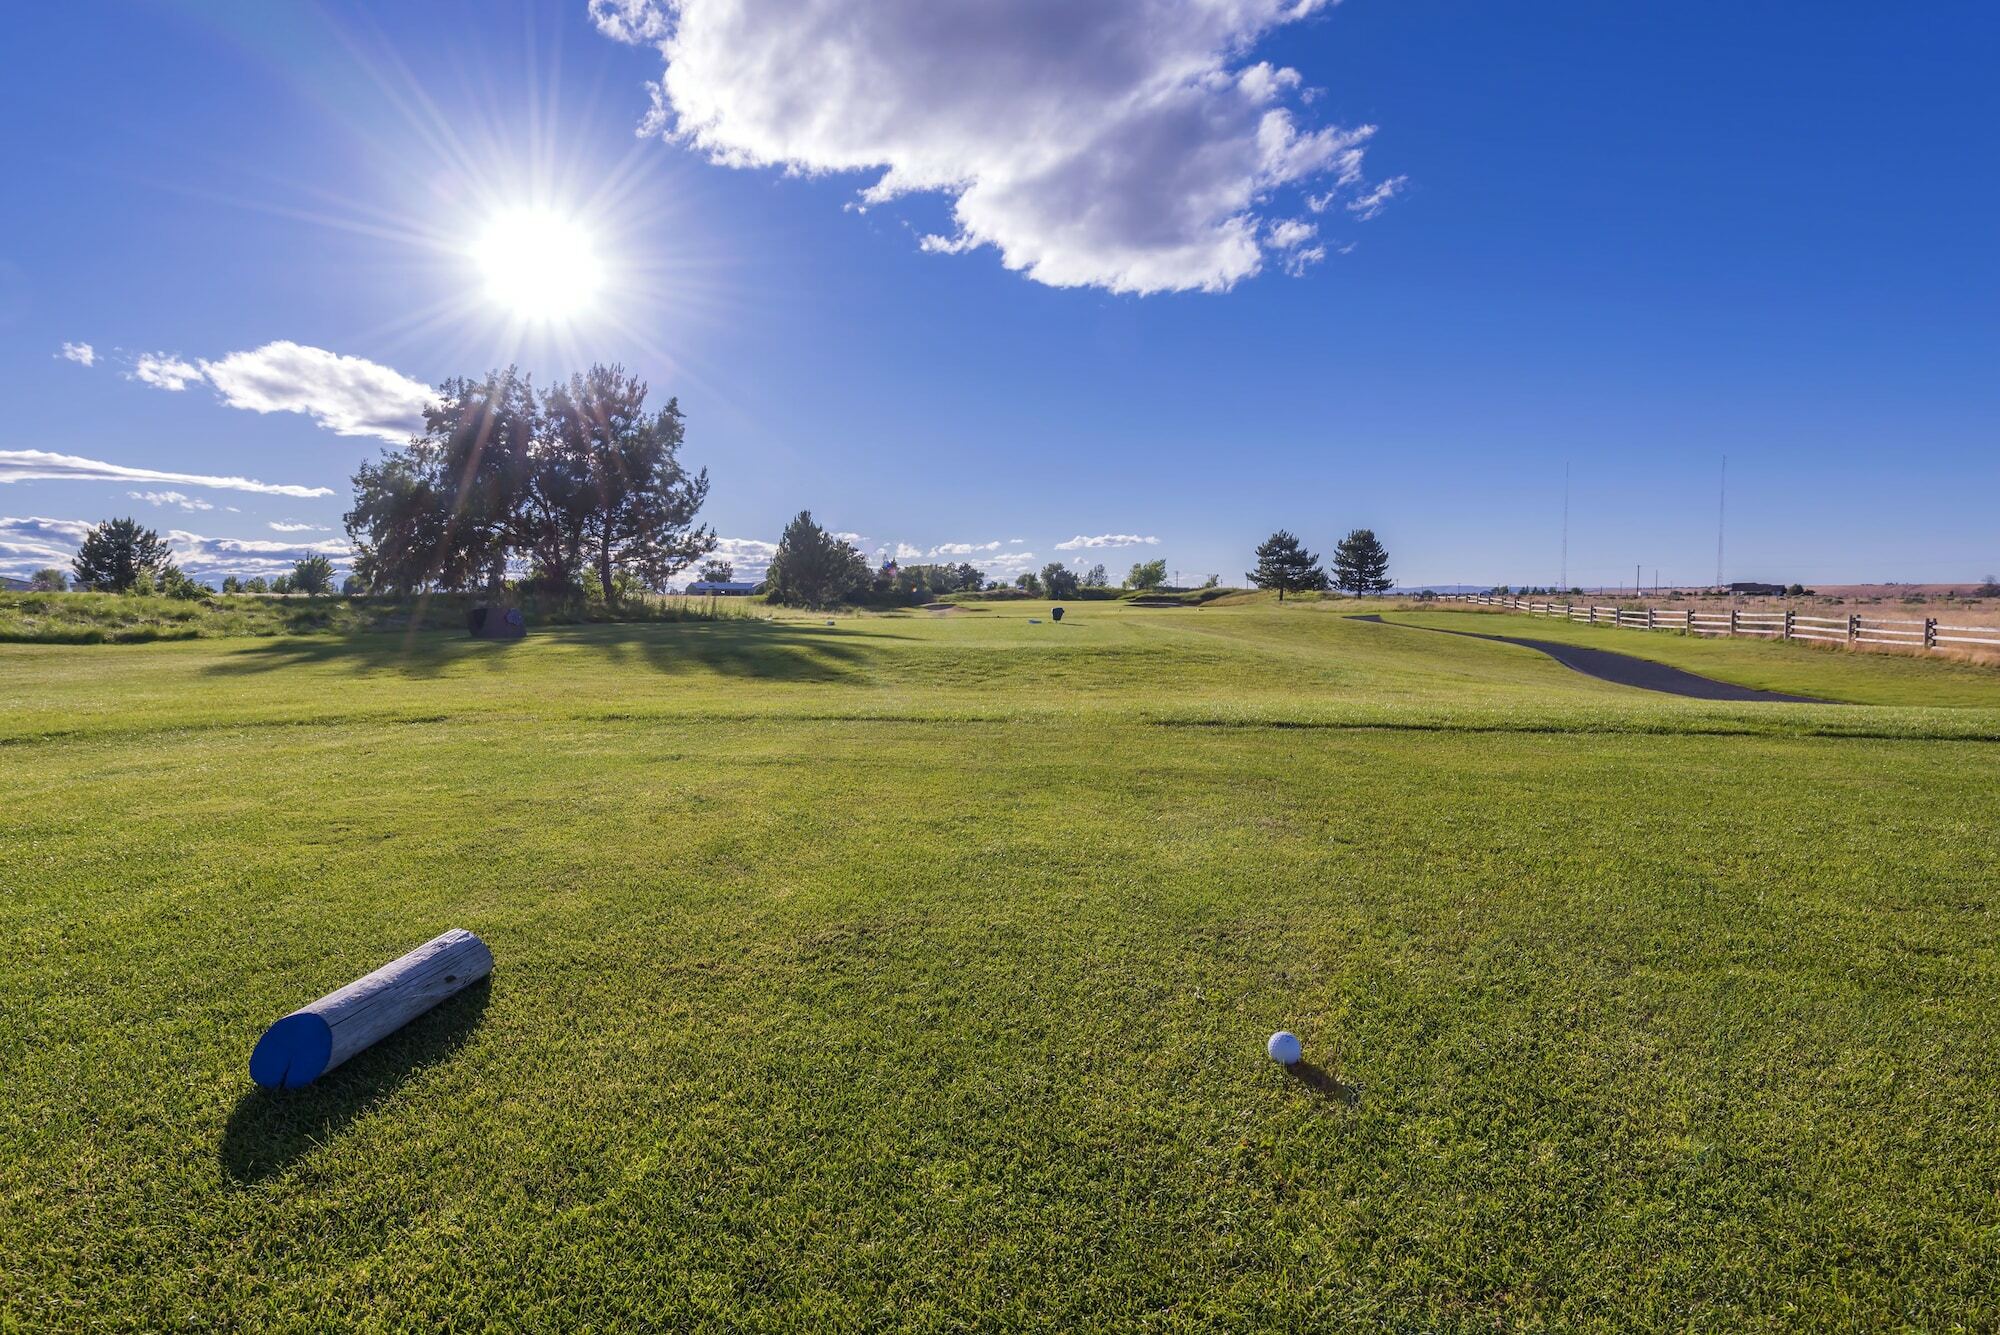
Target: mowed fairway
(915, 972)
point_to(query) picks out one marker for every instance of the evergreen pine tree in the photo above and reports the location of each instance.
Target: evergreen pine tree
(1284, 564)
(1360, 565)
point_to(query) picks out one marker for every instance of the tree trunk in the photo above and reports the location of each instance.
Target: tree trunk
(604, 566)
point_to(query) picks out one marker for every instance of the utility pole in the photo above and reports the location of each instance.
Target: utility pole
(1721, 514)
(1565, 556)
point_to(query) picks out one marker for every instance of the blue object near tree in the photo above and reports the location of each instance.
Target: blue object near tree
(311, 1041)
(496, 623)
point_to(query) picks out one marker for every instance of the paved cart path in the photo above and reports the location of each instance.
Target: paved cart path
(1625, 670)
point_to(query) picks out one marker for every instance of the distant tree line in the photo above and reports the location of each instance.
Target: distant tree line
(1360, 565)
(579, 483)
(123, 556)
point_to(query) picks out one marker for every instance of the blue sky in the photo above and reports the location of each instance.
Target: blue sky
(1630, 240)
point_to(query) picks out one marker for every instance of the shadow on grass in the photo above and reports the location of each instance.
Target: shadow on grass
(270, 1129)
(1324, 1083)
(773, 651)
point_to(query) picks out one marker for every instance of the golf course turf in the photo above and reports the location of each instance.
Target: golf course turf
(916, 971)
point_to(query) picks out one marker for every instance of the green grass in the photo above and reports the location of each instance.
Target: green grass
(914, 972)
(102, 618)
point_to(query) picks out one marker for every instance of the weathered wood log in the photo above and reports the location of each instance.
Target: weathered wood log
(314, 1039)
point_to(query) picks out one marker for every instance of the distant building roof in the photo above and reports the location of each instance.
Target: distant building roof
(12, 585)
(722, 586)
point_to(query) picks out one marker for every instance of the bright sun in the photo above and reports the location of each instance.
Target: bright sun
(539, 264)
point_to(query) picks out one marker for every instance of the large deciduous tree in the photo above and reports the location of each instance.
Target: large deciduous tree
(812, 568)
(635, 503)
(1147, 574)
(1059, 581)
(581, 479)
(1284, 564)
(1360, 564)
(117, 556)
(444, 511)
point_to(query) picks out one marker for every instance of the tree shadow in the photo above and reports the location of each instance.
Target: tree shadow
(766, 650)
(270, 1129)
(412, 653)
(754, 648)
(1324, 1083)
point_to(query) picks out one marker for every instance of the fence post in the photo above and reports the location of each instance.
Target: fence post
(1651, 619)
(1593, 614)
(1853, 626)
(1930, 632)
(1690, 621)
(1788, 623)
(1732, 621)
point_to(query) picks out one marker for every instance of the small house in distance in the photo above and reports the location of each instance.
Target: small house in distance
(724, 587)
(1751, 589)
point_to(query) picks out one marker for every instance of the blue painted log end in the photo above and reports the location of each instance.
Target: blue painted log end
(292, 1053)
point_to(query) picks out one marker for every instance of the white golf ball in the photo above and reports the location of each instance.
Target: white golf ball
(1284, 1048)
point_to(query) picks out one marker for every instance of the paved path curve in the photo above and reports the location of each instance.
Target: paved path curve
(1625, 670)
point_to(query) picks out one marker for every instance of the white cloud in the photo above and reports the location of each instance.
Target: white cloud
(1372, 203)
(750, 556)
(1015, 542)
(210, 559)
(1289, 239)
(349, 396)
(964, 548)
(1008, 563)
(81, 353)
(634, 21)
(28, 544)
(163, 371)
(904, 552)
(1292, 232)
(1082, 543)
(180, 498)
(278, 526)
(1122, 144)
(40, 465)
(1298, 261)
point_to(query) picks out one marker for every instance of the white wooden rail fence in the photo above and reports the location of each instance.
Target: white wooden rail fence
(1909, 632)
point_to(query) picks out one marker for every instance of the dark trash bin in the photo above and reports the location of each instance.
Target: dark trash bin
(1056, 613)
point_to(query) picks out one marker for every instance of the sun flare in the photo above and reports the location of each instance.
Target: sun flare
(539, 264)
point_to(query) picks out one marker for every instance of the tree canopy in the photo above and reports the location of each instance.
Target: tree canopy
(812, 568)
(1284, 564)
(1147, 575)
(313, 576)
(1360, 564)
(118, 556)
(579, 479)
(1059, 581)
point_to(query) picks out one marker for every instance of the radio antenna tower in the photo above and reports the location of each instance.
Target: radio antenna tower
(1563, 587)
(1721, 516)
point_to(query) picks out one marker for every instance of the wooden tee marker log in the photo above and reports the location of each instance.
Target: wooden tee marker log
(311, 1041)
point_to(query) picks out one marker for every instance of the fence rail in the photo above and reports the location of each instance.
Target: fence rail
(1903, 632)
